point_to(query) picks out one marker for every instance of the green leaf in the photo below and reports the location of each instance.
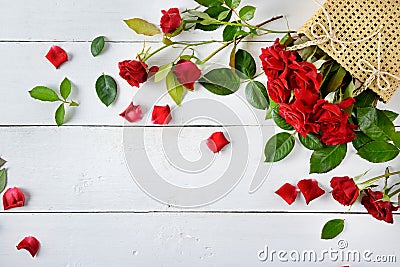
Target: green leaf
(230, 32)
(232, 3)
(65, 88)
(390, 114)
(256, 95)
(366, 99)
(213, 12)
(245, 64)
(209, 3)
(2, 162)
(106, 89)
(311, 142)
(375, 124)
(332, 229)
(328, 158)
(278, 147)
(281, 122)
(44, 94)
(3, 179)
(223, 15)
(349, 90)
(395, 138)
(336, 81)
(221, 81)
(97, 46)
(360, 140)
(175, 89)
(60, 115)
(141, 26)
(246, 13)
(73, 104)
(162, 72)
(378, 151)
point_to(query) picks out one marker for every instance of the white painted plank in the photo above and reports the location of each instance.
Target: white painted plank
(84, 169)
(82, 20)
(23, 66)
(192, 239)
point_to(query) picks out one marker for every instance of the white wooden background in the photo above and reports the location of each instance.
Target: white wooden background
(82, 203)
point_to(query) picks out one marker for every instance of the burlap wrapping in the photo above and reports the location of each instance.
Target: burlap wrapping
(354, 20)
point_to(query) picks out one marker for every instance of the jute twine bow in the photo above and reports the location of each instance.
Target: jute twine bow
(328, 36)
(376, 73)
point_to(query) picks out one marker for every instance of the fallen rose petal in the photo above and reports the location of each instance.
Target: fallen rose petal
(132, 113)
(288, 192)
(57, 56)
(13, 198)
(217, 141)
(161, 115)
(310, 189)
(30, 244)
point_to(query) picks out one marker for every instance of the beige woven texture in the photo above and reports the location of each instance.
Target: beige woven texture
(357, 19)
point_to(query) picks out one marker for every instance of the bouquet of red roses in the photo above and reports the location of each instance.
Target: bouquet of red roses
(312, 95)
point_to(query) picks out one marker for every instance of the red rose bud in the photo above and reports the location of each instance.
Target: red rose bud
(216, 142)
(345, 190)
(170, 21)
(275, 60)
(310, 189)
(13, 198)
(30, 244)
(288, 192)
(133, 71)
(187, 73)
(335, 127)
(132, 113)
(161, 115)
(57, 56)
(379, 209)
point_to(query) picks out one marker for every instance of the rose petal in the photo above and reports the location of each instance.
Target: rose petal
(288, 192)
(13, 198)
(217, 141)
(132, 113)
(57, 56)
(30, 244)
(310, 189)
(161, 115)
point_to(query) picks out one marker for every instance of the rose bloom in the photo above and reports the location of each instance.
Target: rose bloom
(275, 60)
(379, 209)
(304, 76)
(279, 91)
(187, 73)
(345, 190)
(334, 126)
(170, 21)
(133, 71)
(299, 116)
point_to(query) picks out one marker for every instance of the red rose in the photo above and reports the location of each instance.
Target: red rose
(278, 90)
(379, 209)
(133, 71)
(57, 56)
(299, 116)
(304, 76)
(171, 20)
(132, 113)
(334, 126)
(13, 198)
(275, 60)
(217, 141)
(345, 190)
(29, 243)
(288, 192)
(161, 115)
(310, 189)
(187, 73)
